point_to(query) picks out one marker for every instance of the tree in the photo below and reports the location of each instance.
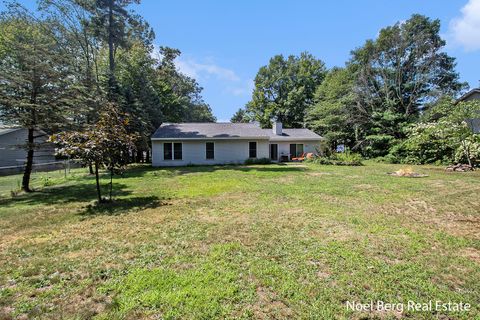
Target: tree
(443, 135)
(105, 144)
(331, 115)
(117, 27)
(135, 74)
(37, 87)
(180, 95)
(240, 116)
(73, 23)
(396, 75)
(284, 89)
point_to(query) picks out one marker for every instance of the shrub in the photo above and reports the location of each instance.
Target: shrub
(339, 159)
(349, 158)
(258, 161)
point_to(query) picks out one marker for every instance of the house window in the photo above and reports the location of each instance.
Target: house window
(167, 151)
(172, 151)
(296, 150)
(252, 149)
(177, 151)
(210, 150)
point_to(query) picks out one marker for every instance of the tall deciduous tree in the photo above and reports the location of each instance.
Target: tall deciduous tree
(398, 73)
(36, 79)
(284, 89)
(331, 115)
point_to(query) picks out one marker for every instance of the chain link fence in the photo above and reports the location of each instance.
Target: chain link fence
(43, 175)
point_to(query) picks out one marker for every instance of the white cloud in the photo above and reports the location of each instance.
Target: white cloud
(200, 70)
(243, 90)
(465, 29)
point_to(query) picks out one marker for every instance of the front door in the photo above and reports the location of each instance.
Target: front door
(274, 152)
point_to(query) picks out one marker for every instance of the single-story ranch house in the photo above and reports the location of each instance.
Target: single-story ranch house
(180, 144)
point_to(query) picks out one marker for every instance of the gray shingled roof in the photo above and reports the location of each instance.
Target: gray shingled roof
(293, 134)
(192, 130)
(212, 130)
(5, 130)
(468, 94)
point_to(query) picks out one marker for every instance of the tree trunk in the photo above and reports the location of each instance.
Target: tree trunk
(111, 183)
(466, 152)
(28, 167)
(111, 57)
(97, 180)
(147, 160)
(90, 168)
(139, 156)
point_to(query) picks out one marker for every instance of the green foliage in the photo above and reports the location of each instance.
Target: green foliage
(330, 116)
(37, 79)
(285, 88)
(442, 136)
(469, 150)
(241, 116)
(346, 158)
(258, 161)
(180, 95)
(106, 143)
(396, 74)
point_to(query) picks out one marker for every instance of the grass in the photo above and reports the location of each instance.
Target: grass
(265, 241)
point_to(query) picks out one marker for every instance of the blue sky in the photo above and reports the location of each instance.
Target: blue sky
(224, 43)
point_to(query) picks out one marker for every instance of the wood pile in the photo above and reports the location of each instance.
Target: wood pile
(459, 167)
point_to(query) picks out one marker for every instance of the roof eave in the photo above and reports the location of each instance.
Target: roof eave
(296, 139)
(212, 138)
(466, 95)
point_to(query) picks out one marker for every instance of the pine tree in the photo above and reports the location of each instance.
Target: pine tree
(37, 89)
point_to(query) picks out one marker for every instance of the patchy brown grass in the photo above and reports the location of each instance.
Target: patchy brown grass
(311, 237)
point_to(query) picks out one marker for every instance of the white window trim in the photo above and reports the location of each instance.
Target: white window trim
(173, 151)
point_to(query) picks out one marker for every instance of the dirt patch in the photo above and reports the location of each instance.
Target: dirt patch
(318, 174)
(323, 272)
(87, 304)
(472, 254)
(83, 254)
(436, 217)
(269, 306)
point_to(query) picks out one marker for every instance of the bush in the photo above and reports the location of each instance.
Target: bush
(349, 158)
(258, 161)
(339, 159)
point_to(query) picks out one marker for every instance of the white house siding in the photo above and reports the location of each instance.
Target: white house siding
(308, 146)
(193, 152)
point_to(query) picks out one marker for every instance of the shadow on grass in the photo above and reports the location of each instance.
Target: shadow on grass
(141, 170)
(75, 192)
(122, 205)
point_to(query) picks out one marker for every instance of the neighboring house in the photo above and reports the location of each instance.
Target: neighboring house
(469, 96)
(180, 144)
(12, 147)
(473, 94)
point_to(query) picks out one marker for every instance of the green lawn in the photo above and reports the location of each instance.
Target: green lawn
(272, 241)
